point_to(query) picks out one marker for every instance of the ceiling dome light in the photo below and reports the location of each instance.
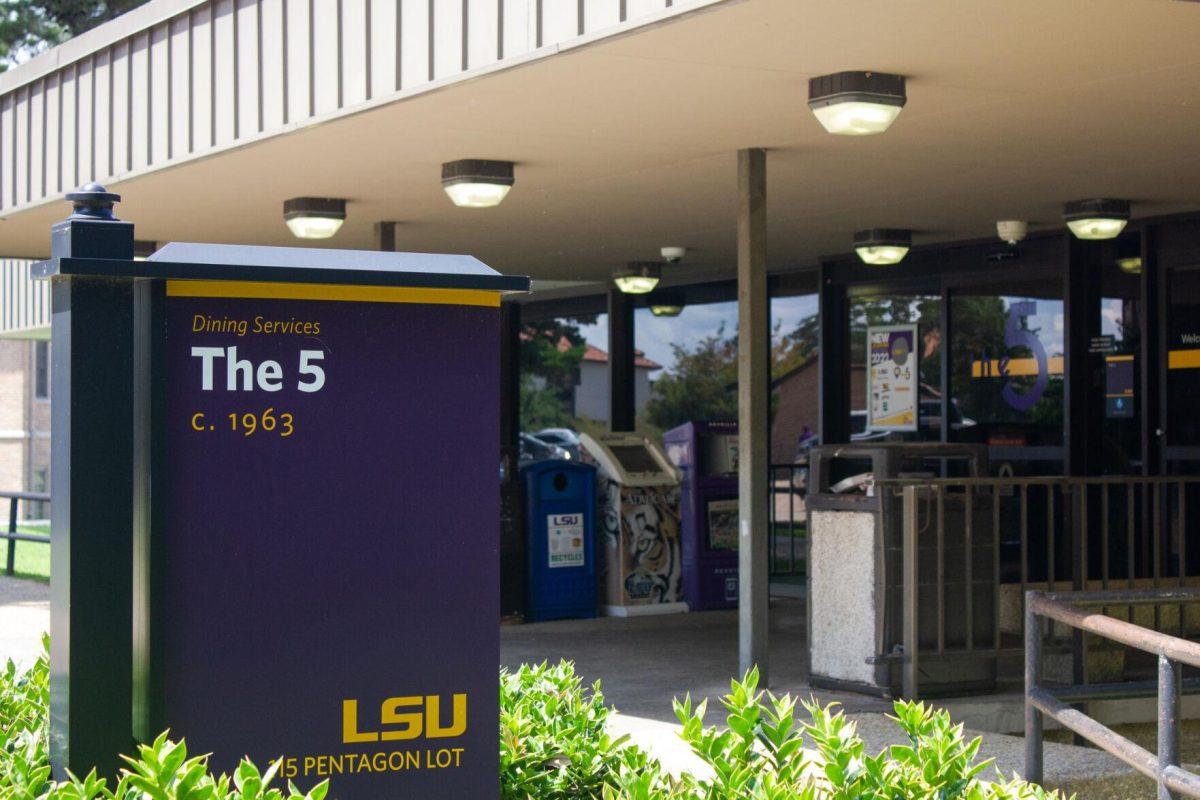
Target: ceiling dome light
(477, 183)
(638, 277)
(665, 304)
(1130, 264)
(1096, 219)
(314, 217)
(882, 246)
(857, 103)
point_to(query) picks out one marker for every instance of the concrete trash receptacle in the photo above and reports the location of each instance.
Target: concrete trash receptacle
(856, 598)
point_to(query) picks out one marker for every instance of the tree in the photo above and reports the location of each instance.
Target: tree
(702, 386)
(29, 26)
(551, 351)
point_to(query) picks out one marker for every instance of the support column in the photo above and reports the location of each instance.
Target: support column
(91, 480)
(622, 406)
(512, 528)
(1083, 387)
(1153, 376)
(833, 352)
(385, 236)
(753, 387)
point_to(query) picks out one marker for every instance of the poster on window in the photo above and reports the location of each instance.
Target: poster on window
(892, 378)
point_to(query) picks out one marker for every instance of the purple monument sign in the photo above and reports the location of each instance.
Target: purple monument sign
(327, 533)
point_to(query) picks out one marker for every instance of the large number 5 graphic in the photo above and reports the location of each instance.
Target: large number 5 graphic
(1016, 335)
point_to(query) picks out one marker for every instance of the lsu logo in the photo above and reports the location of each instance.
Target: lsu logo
(404, 718)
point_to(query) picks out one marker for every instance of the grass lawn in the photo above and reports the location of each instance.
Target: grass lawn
(33, 558)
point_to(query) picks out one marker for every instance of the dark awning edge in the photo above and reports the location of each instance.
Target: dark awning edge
(119, 268)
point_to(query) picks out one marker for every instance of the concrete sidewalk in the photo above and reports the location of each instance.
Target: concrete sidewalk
(644, 662)
(24, 617)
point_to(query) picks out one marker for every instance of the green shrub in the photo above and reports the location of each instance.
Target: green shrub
(554, 745)
(161, 771)
(759, 755)
(554, 740)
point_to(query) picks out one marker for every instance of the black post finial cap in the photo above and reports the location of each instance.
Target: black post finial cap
(93, 201)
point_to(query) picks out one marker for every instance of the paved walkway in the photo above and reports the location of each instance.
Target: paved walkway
(24, 617)
(643, 662)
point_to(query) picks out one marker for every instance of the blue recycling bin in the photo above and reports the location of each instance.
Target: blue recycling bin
(560, 515)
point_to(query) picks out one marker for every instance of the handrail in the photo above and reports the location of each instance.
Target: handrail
(33, 496)
(10, 561)
(1042, 480)
(1066, 608)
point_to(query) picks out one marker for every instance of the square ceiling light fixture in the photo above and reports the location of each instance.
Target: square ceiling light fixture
(882, 246)
(857, 103)
(314, 217)
(1096, 219)
(477, 182)
(638, 277)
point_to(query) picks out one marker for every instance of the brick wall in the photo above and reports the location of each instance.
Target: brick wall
(15, 362)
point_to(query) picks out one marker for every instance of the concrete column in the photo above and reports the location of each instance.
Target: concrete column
(753, 390)
(1083, 389)
(1153, 376)
(622, 408)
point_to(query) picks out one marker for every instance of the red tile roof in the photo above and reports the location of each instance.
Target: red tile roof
(596, 354)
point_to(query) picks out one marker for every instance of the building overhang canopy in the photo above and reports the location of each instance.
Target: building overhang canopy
(624, 137)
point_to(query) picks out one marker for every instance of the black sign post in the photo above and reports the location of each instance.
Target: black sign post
(91, 481)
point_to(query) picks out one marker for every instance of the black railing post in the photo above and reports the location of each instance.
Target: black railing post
(1169, 689)
(1033, 672)
(10, 564)
(910, 586)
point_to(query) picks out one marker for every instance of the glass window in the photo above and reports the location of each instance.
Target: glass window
(795, 370)
(686, 366)
(1007, 367)
(1117, 358)
(899, 309)
(38, 509)
(564, 374)
(41, 370)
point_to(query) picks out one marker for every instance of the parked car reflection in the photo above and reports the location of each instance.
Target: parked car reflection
(565, 438)
(534, 449)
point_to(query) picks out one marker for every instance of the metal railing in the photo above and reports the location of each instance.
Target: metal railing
(973, 543)
(787, 552)
(1068, 608)
(12, 534)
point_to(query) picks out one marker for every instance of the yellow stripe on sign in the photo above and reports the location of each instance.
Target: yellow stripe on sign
(1183, 359)
(265, 290)
(1017, 367)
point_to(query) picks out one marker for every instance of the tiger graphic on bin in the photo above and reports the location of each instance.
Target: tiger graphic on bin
(642, 562)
